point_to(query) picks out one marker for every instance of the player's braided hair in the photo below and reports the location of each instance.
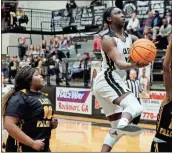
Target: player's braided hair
(22, 81)
(107, 13)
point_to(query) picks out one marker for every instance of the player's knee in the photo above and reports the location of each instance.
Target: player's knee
(139, 110)
(131, 105)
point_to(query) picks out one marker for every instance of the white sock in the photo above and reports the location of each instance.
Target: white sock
(123, 122)
(110, 141)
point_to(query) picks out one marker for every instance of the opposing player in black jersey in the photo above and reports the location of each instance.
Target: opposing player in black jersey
(119, 104)
(162, 141)
(28, 113)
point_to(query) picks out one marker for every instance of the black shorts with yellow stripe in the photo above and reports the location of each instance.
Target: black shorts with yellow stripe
(161, 147)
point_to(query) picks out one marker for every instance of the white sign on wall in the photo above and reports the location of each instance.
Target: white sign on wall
(74, 100)
(151, 106)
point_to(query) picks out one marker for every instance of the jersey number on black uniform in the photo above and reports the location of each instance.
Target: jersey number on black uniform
(47, 112)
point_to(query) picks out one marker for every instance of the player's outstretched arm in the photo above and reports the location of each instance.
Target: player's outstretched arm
(167, 73)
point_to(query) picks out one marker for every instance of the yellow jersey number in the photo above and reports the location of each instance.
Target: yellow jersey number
(48, 112)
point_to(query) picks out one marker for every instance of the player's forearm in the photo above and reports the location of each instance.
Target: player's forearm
(124, 65)
(15, 132)
(119, 62)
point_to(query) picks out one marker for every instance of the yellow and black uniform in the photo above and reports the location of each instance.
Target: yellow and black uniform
(163, 137)
(35, 113)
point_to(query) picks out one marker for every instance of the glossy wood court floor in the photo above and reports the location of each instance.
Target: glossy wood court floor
(77, 134)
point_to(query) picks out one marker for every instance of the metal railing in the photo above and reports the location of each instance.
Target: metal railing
(84, 75)
(82, 17)
(49, 21)
(36, 17)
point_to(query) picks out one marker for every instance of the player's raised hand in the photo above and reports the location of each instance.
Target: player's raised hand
(137, 65)
(140, 65)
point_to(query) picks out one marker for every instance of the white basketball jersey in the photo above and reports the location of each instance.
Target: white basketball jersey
(123, 48)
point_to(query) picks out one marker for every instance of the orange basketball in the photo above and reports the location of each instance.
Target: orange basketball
(143, 51)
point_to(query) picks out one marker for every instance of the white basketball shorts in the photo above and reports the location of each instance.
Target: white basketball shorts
(107, 87)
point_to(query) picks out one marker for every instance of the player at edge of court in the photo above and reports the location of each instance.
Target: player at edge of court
(162, 142)
(28, 114)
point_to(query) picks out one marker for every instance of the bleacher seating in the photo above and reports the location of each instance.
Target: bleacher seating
(41, 21)
(157, 72)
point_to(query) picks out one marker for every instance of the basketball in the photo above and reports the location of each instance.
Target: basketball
(143, 51)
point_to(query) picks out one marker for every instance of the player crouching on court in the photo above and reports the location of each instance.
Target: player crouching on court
(162, 141)
(28, 114)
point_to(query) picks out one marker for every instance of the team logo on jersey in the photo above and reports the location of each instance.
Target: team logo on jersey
(126, 50)
(72, 96)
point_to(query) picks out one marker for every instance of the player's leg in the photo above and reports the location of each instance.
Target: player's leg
(109, 142)
(152, 147)
(109, 110)
(131, 109)
(136, 120)
(116, 92)
(10, 145)
(161, 147)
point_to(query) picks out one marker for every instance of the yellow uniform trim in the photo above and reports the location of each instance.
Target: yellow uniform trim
(46, 94)
(24, 91)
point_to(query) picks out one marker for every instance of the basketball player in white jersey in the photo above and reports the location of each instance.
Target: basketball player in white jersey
(119, 104)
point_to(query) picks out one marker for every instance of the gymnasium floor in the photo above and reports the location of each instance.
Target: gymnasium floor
(77, 134)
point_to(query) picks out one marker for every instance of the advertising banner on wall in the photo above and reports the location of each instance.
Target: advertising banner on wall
(151, 106)
(74, 100)
(143, 9)
(81, 17)
(158, 6)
